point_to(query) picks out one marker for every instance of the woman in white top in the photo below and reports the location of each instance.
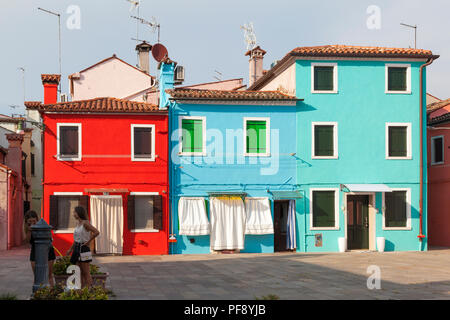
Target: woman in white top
(83, 235)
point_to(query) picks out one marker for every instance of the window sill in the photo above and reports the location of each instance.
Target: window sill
(59, 158)
(437, 163)
(324, 228)
(399, 158)
(143, 159)
(144, 231)
(325, 157)
(63, 231)
(324, 91)
(257, 155)
(397, 92)
(192, 154)
(397, 228)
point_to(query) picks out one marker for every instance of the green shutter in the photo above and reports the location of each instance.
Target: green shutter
(323, 209)
(323, 140)
(397, 142)
(192, 135)
(395, 209)
(397, 79)
(256, 137)
(323, 78)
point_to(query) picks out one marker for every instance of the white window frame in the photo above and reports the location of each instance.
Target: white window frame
(149, 230)
(152, 126)
(408, 140)
(335, 140)
(267, 120)
(433, 150)
(68, 194)
(58, 156)
(335, 76)
(408, 77)
(180, 136)
(408, 210)
(336, 209)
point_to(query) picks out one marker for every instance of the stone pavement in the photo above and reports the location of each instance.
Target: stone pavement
(404, 275)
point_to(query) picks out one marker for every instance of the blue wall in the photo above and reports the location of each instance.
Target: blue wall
(198, 175)
(361, 108)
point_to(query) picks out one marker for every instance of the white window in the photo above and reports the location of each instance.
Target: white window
(397, 209)
(256, 137)
(324, 78)
(398, 141)
(192, 136)
(324, 209)
(62, 206)
(68, 141)
(142, 142)
(324, 143)
(437, 150)
(144, 212)
(398, 78)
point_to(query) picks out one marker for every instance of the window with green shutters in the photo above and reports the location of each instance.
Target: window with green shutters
(323, 209)
(256, 133)
(324, 78)
(397, 79)
(396, 205)
(398, 141)
(192, 135)
(324, 140)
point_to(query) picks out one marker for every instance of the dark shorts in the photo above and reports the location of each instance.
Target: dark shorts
(77, 249)
(51, 254)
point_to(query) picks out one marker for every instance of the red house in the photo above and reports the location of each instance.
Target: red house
(110, 156)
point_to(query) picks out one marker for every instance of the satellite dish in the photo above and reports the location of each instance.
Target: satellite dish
(159, 52)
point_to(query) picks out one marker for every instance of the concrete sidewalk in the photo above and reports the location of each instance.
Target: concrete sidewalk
(404, 275)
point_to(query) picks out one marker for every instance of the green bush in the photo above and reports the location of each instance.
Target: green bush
(58, 293)
(8, 296)
(62, 263)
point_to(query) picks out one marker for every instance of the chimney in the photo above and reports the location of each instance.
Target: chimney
(166, 80)
(143, 50)
(50, 83)
(255, 64)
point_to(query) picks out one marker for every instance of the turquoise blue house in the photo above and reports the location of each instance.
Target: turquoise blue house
(359, 145)
(324, 152)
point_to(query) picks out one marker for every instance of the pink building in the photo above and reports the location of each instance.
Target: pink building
(439, 172)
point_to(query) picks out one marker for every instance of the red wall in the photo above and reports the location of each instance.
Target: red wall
(439, 191)
(102, 136)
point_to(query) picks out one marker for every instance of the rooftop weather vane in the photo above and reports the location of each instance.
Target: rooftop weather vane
(249, 34)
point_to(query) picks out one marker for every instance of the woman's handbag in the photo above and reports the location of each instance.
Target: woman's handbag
(86, 255)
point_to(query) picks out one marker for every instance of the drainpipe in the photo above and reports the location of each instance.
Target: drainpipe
(421, 236)
(9, 214)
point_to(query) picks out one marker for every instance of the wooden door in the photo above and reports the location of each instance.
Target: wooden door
(280, 214)
(358, 222)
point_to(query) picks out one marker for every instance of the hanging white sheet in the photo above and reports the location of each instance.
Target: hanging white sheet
(227, 223)
(192, 217)
(291, 238)
(107, 217)
(259, 217)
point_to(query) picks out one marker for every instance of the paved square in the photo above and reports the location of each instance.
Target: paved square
(404, 275)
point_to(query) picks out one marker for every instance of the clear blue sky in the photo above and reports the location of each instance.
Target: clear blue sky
(204, 35)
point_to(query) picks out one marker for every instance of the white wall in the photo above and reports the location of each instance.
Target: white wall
(284, 82)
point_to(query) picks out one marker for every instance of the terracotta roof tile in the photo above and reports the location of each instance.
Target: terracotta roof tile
(437, 105)
(198, 94)
(441, 119)
(107, 105)
(360, 51)
(50, 78)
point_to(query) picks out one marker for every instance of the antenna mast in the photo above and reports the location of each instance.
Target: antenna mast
(250, 40)
(152, 24)
(415, 32)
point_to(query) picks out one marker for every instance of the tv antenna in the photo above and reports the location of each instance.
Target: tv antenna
(135, 5)
(59, 38)
(415, 32)
(153, 24)
(218, 75)
(249, 34)
(23, 81)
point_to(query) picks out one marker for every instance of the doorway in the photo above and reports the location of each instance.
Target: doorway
(358, 222)
(107, 217)
(280, 216)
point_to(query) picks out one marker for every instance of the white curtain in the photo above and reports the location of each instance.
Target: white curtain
(192, 217)
(259, 216)
(107, 217)
(291, 238)
(227, 223)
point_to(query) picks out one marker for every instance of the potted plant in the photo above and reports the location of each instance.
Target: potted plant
(62, 263)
